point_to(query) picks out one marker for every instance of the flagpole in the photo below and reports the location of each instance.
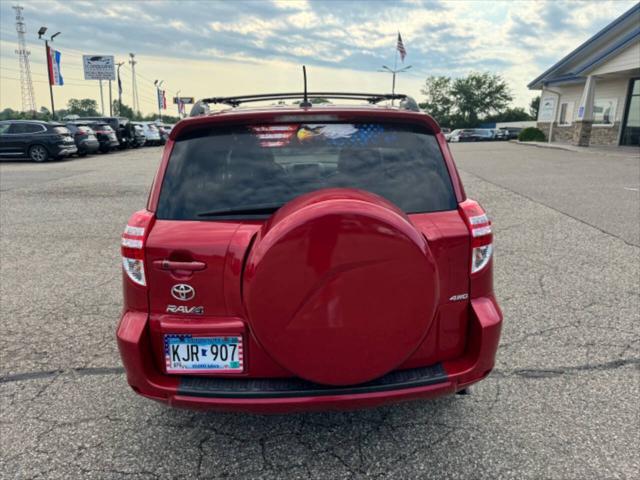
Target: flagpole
(393, 78)
(48, 53)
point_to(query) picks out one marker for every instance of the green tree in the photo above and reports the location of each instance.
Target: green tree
(517, 114)
(439, 101)
(123, 110)
(86, 107)
(10, 114)
(478, 95)
(44, 114)
(534, 106)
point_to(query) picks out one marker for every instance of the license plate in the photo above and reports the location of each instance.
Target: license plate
(189, 354)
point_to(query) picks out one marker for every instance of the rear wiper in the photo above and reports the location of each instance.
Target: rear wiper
(260, 209)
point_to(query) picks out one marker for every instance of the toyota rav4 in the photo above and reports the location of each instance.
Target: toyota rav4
(307, 257)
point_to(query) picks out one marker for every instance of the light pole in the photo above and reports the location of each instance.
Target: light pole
(41, 32)
(158, 84)
(134, 85)
(394, 72)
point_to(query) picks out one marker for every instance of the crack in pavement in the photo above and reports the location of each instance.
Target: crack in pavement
(521, 372)
(21, 377)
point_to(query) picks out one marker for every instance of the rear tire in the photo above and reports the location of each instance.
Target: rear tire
(38, 154)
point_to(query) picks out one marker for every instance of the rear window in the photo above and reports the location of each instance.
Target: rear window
(249, 171)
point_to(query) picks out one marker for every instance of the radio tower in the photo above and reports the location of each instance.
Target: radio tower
(134, 86)
(26, 85)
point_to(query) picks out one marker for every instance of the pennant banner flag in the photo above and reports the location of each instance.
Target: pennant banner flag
(162, 99)
(55, 75)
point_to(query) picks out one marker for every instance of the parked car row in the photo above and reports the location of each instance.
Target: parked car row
(482, 134)
(42, 141)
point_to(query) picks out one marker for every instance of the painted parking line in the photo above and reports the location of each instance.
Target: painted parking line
(632, 189)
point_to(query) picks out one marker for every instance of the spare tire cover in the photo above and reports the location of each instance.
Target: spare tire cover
(339, 287)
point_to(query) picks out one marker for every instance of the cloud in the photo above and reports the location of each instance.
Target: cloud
(441, 37)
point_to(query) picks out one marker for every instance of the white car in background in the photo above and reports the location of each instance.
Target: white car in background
(165, 130)
(151, 133)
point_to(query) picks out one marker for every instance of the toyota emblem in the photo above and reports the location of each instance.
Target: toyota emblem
(183, 292)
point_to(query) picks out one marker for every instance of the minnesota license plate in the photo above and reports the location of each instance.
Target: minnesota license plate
(190, 354)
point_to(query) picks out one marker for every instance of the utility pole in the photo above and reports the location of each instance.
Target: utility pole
(101, 98)
(134, 87)
(47, 50)
(26, 84)
(119, 89)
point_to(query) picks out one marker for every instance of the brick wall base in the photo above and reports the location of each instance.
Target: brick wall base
(582, 133)
(561, 134)
(605, 135)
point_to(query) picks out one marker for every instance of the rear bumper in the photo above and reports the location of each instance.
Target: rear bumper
(292, 395)
(64, 150)
(88, 146)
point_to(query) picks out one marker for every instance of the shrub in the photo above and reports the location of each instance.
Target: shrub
(531, 134)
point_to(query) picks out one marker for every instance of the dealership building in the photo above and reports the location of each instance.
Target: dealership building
(592, 96)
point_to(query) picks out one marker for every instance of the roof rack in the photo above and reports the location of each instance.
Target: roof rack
(406, 102)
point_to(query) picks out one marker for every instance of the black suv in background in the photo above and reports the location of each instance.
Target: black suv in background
(106, 136)
(85, 138)
(39, 141)
(120, 125)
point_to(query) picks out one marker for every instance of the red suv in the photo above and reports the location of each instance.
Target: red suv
(301, 258)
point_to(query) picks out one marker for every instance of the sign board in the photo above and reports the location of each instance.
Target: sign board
(99, 67)
(185, 100)
(547, 109)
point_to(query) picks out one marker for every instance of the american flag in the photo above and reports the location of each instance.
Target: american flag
(400, 48)
(275, 135)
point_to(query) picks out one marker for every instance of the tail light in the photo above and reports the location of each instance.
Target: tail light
(481, 234)
(132, 246)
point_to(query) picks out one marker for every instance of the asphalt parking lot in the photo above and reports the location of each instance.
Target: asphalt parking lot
(562, 402)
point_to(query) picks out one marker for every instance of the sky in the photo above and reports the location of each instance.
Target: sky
(217, 48)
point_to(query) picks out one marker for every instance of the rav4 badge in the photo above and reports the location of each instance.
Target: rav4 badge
(185, 309)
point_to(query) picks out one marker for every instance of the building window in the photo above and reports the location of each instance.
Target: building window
(565, 115)
(604, 111)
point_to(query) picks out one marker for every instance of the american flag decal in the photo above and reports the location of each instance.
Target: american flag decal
(400, 48)
(275, 135)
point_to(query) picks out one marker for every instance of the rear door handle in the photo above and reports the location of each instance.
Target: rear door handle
(184, 266)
